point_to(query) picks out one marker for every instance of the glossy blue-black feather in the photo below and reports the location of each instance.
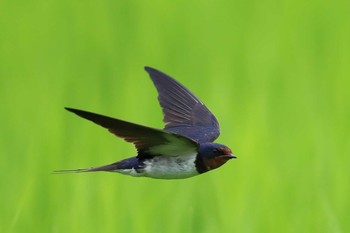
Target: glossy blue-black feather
(184, 113)
(148, 141)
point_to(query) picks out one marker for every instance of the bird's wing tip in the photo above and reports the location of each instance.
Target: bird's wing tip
(74, 110)
(149, 69)
(69, 109)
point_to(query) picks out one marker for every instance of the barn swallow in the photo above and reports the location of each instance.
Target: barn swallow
(184, 148)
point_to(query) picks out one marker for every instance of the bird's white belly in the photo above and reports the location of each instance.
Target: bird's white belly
(171, 167)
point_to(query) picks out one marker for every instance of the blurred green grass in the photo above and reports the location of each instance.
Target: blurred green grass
(275, 73)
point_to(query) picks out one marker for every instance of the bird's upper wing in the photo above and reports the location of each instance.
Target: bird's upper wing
(184, 113)
(149, 142)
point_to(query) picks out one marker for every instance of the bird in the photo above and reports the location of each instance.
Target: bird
(183, 149)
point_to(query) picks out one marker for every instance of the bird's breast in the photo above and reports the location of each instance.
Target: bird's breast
(171, 167)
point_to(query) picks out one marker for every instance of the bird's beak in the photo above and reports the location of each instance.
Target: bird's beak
(230, 156)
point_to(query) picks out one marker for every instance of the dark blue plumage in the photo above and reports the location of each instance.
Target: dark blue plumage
(184, 113)
(183, 149)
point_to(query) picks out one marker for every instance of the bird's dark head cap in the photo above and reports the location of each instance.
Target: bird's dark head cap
(213, 155)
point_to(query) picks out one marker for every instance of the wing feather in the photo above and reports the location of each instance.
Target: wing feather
(149, 142)
(184, 113)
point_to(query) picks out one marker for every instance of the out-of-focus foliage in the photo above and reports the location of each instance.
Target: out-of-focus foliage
(275, 73)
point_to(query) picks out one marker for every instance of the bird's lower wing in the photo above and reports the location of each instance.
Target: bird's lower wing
(149, 142)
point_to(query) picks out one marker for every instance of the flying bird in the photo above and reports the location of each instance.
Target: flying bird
(184, 148)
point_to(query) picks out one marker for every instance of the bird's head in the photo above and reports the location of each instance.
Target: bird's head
(213, 155)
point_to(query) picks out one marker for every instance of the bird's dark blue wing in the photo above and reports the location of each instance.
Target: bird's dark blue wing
(149, 142)
(184, 114)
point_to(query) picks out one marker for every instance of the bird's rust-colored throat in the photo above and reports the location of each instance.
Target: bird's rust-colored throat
(218, 161)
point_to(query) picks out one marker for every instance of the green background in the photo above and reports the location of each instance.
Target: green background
(275, 73)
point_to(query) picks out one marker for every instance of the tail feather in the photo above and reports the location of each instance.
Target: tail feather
(124, 164)
(110, 167)
(71, 171)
